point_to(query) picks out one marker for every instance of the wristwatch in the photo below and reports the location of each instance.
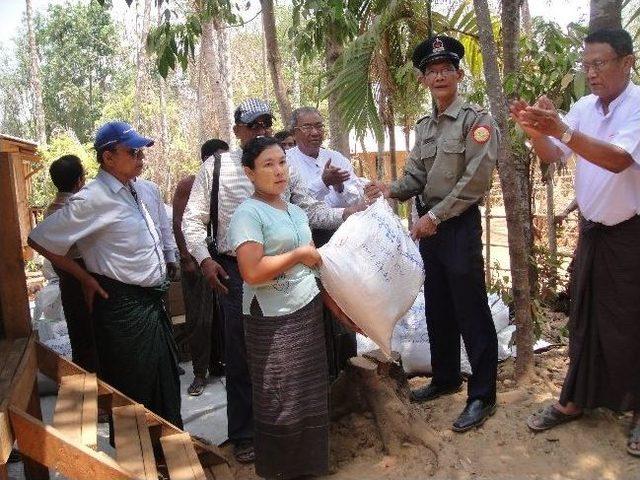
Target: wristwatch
(433, 217)
(566, 136)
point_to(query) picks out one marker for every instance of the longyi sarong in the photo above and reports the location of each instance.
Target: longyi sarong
(604, 323)
(136, 350)
(288, 366)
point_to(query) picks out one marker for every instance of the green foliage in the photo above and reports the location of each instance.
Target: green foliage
(79, 47)
(548, 61)
(61, 142)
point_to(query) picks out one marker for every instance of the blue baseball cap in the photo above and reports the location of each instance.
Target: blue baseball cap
(113, 133)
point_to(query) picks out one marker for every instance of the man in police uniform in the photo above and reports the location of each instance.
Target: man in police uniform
(450, 168)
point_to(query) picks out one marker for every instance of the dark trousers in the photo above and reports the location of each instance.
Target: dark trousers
(79, 321)
(238, 381)
(456, 304)
(341, 344)
(205, 328)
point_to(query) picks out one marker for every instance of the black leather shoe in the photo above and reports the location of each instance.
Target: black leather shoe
(474, 415)
(432, 391)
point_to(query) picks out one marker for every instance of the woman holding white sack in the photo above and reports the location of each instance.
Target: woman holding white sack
(284, 332)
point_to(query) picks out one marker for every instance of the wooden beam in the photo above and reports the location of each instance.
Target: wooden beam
(34, 469)
(48, 446)
(55, 367)
(133, 443)
(14, 302)
(182, 461)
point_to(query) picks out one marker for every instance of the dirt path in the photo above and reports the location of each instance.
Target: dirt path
(592, 448)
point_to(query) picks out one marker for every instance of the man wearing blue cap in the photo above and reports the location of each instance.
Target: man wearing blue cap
(449, 170)
(125, 276)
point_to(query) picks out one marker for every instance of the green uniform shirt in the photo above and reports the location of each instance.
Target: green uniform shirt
(451, 164)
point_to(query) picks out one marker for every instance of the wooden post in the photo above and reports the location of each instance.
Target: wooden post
(14, 302)
(34, 470)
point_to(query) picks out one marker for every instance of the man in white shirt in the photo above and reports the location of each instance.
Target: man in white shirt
(329, 175)
(125, 276)
(603, 131)
(149, 194)
(253, 117)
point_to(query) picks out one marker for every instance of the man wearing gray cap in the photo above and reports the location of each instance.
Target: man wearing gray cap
(218, 189)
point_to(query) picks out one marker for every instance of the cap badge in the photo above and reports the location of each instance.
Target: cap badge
(438, 46)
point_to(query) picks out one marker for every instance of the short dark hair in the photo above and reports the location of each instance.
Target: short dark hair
(65, 172)
(282, 135)
(254, 148)
(210, 147)
(100, 152)
(618, 38)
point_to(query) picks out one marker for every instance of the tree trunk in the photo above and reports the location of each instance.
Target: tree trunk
(166, 186)
(513, 209)
(209, 95)
(605, 14)
(223, 82)
(372, 383)
(526, 17)
(275, 60)
(338, 134)
(510, 22)
(36, 84)
(143, 25)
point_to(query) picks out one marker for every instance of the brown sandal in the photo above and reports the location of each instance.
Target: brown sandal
(549, 417)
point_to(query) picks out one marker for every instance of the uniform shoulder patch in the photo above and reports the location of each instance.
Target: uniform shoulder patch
(481, 134)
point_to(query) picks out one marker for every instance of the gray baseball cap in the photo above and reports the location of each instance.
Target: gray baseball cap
(251, 109)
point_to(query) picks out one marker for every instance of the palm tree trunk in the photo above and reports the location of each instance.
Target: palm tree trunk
(275, 60)
(338, 134)
(36, 84)
(605, 14)
(513, 208)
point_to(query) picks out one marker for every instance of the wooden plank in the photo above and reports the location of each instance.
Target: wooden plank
(182, 461)
(145, 443)
(48, 446)
(13, 356)
(221, 472)
(67, 416)
(133, 444)
(6, 435)
(14, 302)
(90, 411)
(5, 345)
(33, 468)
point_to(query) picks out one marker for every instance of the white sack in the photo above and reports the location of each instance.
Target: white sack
(373, 271)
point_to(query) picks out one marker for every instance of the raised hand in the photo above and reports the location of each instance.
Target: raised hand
(334, 176)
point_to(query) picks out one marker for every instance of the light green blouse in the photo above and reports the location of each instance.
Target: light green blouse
(279, 232)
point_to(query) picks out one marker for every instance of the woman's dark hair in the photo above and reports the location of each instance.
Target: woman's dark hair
(65, 172)
(254, 148)
(617, 38)
(281, 136)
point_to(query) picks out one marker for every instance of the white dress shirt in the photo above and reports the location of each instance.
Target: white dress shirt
(311, 170)
(114, 233)
(235, 188)
(149, 194)
(603, 196)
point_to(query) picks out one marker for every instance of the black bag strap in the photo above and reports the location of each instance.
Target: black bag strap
(213, 202)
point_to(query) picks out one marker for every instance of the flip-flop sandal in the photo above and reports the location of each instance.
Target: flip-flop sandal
(197, 387)
(549, 417)
(634, 437)
(244, 453)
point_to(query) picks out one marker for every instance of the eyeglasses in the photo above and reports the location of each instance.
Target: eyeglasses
(261, 125)
(310, 127)
(596, 65)
(133, 152)
(445, 72)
